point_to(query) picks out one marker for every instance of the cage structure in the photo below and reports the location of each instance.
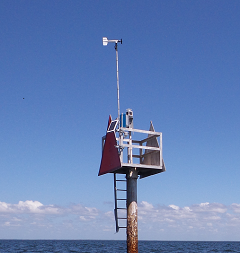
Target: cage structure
(122, 152)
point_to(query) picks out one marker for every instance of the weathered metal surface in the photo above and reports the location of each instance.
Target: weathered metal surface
(132, 221)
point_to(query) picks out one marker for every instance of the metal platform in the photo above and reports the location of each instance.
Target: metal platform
(144, 154)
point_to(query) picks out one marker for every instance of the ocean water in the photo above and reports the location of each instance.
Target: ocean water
(92, 246)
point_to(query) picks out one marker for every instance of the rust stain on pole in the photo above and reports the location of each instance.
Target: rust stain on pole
(132, 222)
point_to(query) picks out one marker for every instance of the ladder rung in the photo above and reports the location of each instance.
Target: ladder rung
(122, 198)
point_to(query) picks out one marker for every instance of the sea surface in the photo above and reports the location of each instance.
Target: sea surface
(92, 246)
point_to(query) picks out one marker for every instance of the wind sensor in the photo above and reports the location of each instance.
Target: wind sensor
(123, 155)
(106, 40)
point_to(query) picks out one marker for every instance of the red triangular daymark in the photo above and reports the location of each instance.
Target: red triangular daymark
(110, 157)
(109, 121)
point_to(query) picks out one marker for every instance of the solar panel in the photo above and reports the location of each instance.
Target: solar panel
(113, 126)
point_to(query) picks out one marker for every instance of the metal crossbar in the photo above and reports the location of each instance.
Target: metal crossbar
(141, 147)
(124, 129)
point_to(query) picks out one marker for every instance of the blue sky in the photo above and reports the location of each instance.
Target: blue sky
(179, 67)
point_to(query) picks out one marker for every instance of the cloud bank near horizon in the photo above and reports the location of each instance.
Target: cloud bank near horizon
(205, 221)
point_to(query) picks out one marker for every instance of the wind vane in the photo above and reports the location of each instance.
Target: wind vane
(123, 155)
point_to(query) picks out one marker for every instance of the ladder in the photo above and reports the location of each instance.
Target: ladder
(120, 189)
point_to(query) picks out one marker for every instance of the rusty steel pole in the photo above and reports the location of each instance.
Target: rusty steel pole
(132, 222)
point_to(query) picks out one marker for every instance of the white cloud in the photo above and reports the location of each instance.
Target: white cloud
(235, 207)
(198, 221)
(204, 204)
(207, 207)
(174, 207)
(82, 218)
(28, 206)
(144, 205)
(204, 220)
(6, 223)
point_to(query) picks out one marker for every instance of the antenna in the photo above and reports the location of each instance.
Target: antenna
(105, 43)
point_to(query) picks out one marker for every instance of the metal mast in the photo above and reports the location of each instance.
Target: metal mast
(105, 42)
(118, 99)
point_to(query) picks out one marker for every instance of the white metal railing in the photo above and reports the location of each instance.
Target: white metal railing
(152, 145)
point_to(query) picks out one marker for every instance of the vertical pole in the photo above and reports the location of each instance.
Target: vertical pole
(130, 158)
(116, 48)
(132, 223)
